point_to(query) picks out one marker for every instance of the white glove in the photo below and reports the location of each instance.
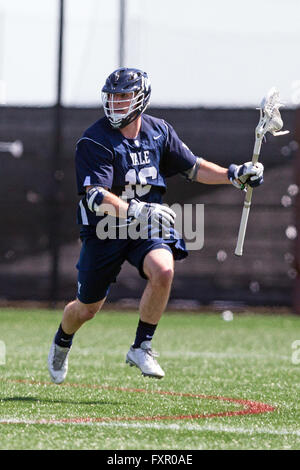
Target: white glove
(250, 174)
(146, 212)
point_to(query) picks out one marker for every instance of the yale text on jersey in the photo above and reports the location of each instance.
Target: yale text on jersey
(140, 158)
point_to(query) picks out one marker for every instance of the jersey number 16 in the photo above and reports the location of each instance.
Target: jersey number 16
(139, 180)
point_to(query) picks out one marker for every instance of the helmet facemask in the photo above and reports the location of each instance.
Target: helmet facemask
(121, 116)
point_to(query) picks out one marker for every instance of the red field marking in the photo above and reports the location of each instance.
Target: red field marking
(250, 407)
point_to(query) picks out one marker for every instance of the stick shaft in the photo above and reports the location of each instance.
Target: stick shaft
(247, 204)
(243, 223)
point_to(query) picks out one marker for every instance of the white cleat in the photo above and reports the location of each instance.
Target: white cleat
(144, 359)
(58, 363)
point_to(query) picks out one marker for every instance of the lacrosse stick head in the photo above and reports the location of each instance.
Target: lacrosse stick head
(270, 118)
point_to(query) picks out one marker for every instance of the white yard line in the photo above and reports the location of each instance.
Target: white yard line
(168, 427)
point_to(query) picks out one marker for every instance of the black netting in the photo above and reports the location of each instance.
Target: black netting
(38, 202)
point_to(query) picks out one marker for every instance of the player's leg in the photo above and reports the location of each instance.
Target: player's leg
(92, 290)
(93, 287)
(75, 315)
(158, 266)
(98, 267)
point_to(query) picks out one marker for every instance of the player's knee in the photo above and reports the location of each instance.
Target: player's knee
(162, 277)
(87, 312)
(166, 276)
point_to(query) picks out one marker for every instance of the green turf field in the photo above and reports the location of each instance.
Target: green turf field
(214, 369)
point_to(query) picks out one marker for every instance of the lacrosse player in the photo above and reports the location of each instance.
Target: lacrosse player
(122, 163)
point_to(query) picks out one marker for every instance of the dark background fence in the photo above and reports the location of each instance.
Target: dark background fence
(38, 202)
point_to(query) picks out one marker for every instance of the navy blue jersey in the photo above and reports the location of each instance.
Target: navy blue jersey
(129, 167)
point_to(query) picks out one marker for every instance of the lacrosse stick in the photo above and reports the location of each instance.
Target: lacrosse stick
(270, 121)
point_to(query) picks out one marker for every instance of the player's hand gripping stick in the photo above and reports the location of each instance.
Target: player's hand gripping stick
(151, 213)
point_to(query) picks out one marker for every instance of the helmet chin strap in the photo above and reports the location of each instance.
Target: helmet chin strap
(116, 119)
(120, 123)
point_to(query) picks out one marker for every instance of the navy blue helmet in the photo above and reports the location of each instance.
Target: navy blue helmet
(130, 81)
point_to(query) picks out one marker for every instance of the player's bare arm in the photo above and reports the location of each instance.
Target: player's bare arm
(210, 173)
